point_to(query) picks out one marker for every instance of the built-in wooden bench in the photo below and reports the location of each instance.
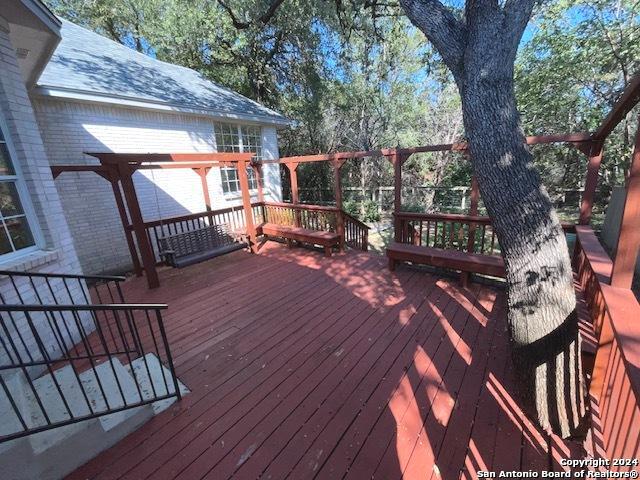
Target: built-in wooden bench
(314, 237)
(437, 257)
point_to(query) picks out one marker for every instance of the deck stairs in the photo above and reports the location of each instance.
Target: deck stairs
(51, 454)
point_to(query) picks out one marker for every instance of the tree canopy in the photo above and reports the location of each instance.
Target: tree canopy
(359, 76)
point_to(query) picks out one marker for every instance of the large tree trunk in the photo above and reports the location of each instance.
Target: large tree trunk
(480, 50)
(542, 316)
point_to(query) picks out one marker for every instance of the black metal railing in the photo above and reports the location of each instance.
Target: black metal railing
(69, 353)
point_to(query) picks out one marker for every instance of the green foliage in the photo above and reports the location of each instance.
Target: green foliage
(370, 211)
(568, 75)
(355, 82)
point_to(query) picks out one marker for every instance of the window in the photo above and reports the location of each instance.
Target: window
(15, 229)
(238, 138)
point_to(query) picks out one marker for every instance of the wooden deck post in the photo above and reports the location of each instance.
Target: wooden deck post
(122, 211)
(629, 235)
(295, 196)
(594, 152)
(337, 187)
(246, 204)
(202, 173)
(473, 210)
(396, 161)
(148, 258)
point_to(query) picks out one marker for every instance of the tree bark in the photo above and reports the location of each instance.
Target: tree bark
(542, 316)
(480, 51)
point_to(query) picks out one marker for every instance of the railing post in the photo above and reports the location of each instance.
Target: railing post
(337, 186)
(629, 234)
(473, 211)
(148, 259)
(591, 182)
(246, 203)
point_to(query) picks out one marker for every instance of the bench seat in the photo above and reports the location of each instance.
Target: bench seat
(438, 257)
(303, 235)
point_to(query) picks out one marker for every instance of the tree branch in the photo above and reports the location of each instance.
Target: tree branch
(517, 14)
(262, 19)
(443, 29)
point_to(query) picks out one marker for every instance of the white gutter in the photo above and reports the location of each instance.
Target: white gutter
(119, 100)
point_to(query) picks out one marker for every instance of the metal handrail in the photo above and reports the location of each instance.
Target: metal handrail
(57, 322)
(115, 278)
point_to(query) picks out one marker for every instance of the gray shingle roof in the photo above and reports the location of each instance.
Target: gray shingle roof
(90, 63)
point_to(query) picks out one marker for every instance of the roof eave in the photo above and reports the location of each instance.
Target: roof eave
(124, 101)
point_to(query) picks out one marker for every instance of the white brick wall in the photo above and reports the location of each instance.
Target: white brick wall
(71, 128)
(57, 252)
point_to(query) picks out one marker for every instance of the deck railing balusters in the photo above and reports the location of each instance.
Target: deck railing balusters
(42, 312)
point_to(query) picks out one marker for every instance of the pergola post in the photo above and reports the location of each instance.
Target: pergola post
(295, 196)
(148, 259)
(629, 235)
(137, 268)
(246, 204)
(594, 152)
(337, 187)
(202, 173)
(397, 160)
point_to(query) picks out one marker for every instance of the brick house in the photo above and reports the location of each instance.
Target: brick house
(96, 95)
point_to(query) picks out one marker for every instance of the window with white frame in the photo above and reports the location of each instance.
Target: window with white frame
(16, 233)
(238, 138)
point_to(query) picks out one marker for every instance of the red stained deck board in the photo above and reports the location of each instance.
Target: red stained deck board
(357, 372)
(313, 384)
(225, 409)
(206, 450)
(390, 421)
(293, 360)
(434, 427)
(386, 370)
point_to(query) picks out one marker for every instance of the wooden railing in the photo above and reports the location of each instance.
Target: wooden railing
(465, 233)
(233, 216)
(615, 380)
(319, 217)
(450, 231)
(356, 233)
(313, 217)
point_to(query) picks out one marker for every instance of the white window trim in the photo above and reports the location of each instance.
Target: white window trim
(25, 200)
(237, 194)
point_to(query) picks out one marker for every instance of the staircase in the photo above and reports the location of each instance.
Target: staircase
(51, 454)
(76, 374)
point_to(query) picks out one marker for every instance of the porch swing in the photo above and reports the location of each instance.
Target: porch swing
(187, 248)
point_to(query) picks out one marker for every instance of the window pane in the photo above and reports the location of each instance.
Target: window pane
(9, 201)
(5, 246)
(20, 232)
(6, 167)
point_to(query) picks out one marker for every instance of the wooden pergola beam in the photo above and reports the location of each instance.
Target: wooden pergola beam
(573, 138)
(629, 98)
(109, 157)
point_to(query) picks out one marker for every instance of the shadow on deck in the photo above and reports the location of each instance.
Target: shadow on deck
(306, 367)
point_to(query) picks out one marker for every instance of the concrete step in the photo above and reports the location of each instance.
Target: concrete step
(54, 453)
(152, 374)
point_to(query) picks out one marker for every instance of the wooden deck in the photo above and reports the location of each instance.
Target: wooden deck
(306, 367)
